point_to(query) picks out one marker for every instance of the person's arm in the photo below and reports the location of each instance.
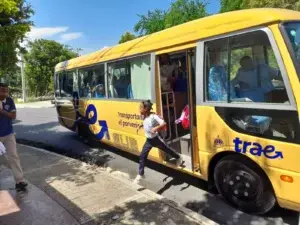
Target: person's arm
(12, 114)
(235, 81)
(274, 74)
(161, 125)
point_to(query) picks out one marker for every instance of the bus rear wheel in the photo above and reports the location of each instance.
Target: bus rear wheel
(243, 185)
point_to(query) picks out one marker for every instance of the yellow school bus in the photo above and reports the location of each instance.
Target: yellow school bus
(235, 75)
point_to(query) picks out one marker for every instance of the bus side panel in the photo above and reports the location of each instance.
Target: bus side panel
(121, 120)
(216, 136)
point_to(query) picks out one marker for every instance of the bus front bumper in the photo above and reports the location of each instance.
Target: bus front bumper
(288, 204)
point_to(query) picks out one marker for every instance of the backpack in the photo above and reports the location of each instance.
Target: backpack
(184, 118)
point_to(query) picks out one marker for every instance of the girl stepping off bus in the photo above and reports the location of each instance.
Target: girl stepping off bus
(152, 125)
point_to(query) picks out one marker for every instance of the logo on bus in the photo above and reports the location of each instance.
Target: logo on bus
(218, 142)
(93, 120)
(256, 149)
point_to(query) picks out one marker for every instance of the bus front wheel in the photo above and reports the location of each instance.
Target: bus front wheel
(243, 185)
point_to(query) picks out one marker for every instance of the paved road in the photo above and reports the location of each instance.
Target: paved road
(41, 126)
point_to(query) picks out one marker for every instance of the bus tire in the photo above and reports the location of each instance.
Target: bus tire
(244, 185)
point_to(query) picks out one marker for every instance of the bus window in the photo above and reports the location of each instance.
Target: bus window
(292, 31)
(216, 63)
(235, 56)
(56, 85)
(130, 78)
(92, 82)
(253, 77)
(66, 84)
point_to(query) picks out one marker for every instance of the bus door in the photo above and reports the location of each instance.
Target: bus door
(177, 80)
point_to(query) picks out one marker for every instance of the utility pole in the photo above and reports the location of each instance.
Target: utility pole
(23, 78)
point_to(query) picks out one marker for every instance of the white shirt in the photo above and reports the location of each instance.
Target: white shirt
(150, 122)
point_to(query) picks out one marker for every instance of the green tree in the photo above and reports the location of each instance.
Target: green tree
(126, 37)
(182, 11)
(287, 4)
(230, 5)
(150, 23)
(40, 61)
(15, 81)
(14, 24)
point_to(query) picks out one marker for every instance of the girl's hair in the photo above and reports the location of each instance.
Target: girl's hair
(147, 105)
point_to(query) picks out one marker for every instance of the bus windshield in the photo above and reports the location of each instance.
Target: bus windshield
(292, 30)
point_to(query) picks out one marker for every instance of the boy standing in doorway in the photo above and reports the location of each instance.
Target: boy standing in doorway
(7, 136)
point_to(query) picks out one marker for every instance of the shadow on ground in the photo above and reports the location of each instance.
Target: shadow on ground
(44, 135)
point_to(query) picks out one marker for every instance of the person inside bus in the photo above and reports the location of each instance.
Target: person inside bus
(93, 84)
(218, 80)
(181, 83)
(168, 73)
(100, 92)
(254, 80)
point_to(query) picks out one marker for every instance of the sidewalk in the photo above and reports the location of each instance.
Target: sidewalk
(65, 191)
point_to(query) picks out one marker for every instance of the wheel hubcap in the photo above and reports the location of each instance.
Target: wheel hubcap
(242, 186)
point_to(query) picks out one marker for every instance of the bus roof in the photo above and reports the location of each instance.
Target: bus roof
(183, 34)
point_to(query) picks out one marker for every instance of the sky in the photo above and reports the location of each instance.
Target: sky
(92, 24)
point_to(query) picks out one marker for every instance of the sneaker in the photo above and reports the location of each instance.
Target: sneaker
(179, 161)
(21, 186)
(138, 179)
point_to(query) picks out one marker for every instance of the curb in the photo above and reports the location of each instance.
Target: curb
(148, 193)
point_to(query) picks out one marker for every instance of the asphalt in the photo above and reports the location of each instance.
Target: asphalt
(39, 127)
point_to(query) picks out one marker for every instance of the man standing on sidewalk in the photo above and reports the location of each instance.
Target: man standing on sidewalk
(7, 136)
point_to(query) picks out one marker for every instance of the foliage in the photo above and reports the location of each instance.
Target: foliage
(14, 24)
(151, 23)
(40, 62)
(126, 37)
(287, 4)
(180, 11)
(230, 5)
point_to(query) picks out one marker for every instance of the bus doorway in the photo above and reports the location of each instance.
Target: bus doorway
(177, 81)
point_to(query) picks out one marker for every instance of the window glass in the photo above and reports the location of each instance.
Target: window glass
(267, 125)
(66, 84)
(91, 82)
(254, 72)
(235, 56)
(75, 82)
(292, 30)
(130, 79)
(216, 63)
(56, 85)
(271, 58)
